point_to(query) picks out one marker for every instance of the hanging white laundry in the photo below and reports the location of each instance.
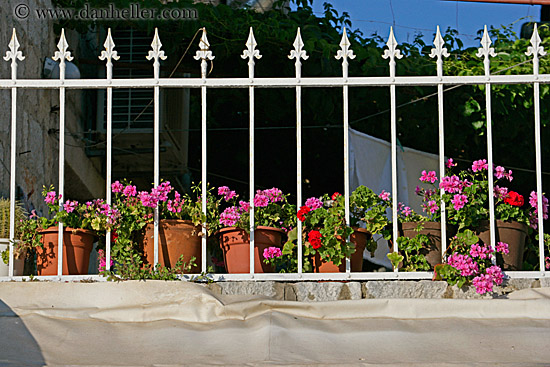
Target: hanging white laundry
(370, 165)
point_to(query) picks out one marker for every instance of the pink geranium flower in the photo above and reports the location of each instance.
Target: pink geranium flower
(479, 165)
(428, 176)
(459, 201)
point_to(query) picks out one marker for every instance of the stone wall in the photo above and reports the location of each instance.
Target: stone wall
(336, 291)
(38, 116)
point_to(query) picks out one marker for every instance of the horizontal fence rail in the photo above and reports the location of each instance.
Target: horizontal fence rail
(298, 54)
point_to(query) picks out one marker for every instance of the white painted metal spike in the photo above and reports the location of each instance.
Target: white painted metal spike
(13, 53)
(439, 51)
(109, 53)
(392, 51)
(486, 50)
(345, 52)
(62, 54)
(204, 52)
(298, 51)
(250, 52)
(535, 49)
(156, 53)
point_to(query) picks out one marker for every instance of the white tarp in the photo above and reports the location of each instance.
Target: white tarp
(157, 323)
(370, 165)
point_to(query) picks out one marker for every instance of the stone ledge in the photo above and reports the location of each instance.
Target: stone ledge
(335, 291)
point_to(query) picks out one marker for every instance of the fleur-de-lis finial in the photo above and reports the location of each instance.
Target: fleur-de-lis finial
(156, 53)
(298, 52)
(109, 53)
(536, 48)
(204, 52)
(345, 52)
(250, 52)
(439, 51)
(392, 51)
(62, 54)
(14, 53)
(486, 50)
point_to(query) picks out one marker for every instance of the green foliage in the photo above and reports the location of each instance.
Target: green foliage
(409, 250)
(5, 217)
(133, 271)
(395, 258)
(369, 208)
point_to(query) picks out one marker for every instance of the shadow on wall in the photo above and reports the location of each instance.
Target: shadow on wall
(17, 345)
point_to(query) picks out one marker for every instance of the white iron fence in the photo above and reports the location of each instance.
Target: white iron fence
(298, 54)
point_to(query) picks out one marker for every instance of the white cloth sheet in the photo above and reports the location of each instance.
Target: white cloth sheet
(370, 165)
(158, 323)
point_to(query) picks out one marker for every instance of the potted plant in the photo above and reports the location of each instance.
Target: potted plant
(369, 210)
(469, 262)
(325, 232)
(419, 247)
(19, 256)
(467, 197)
(179, 227)
(273, 216)
(83, 223)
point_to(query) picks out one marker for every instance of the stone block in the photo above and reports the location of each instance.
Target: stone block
(405, 289)
(327, 291)
(268, 289)
(544, 282)
(510, 285)
(469, 292)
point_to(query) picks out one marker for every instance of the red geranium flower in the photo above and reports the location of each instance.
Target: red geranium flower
(302, 212)
(314, 238)
(335, 195)
(514, 199)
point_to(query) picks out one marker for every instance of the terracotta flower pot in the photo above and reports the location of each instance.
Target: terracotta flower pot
(359, 238)
(514, 234)
(77, 245)
(176, 238)
(235, 243)
(433, 230)
(18, 264)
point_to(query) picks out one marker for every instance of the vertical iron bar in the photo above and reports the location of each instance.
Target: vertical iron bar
(12, 175)
(490, 165)
(440, 51)
(536, 49)
(108, 54)
(343, 54)
(204, 193)
(60, 56)
(203, 54)
(251, 173)
(299, 53)
(485, 51)
(540, 212)
(61, 169)
(156, 54)
(392, 52)
(109, 169)
(14, 54)
(156, 165)
(394, 162)
(346, 162)
(442, 170)
(299, 169)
